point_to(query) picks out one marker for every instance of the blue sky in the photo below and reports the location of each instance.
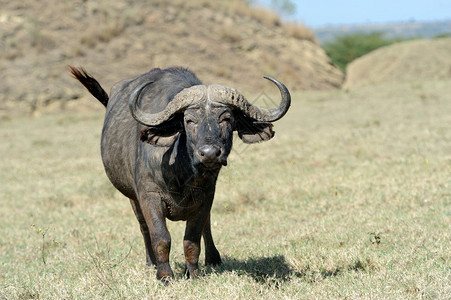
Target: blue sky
(317, 13)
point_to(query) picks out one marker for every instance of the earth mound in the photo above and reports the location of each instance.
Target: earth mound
(414, 60)
(224, 42)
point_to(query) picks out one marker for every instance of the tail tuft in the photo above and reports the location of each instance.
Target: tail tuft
(90, 83)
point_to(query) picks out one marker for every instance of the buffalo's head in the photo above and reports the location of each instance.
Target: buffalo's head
(208, 115)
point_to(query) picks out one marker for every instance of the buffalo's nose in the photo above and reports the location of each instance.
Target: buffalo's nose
(209, 153)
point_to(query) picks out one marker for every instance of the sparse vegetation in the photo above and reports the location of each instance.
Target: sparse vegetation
(300, 31)
(351, 199)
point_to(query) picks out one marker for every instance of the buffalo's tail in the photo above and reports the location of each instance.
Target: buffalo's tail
(91, 84)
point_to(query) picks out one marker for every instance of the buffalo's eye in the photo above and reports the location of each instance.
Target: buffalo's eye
(190, 122)
(225, 119)
(191, 125)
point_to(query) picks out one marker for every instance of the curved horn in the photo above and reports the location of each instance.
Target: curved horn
(188, 96)
(226, 95)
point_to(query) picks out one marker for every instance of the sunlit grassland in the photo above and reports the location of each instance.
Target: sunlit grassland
(350, 199)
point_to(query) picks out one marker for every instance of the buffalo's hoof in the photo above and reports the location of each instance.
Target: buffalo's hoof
(213, 259)
(166, 280)
(192, 272)
(164, 273)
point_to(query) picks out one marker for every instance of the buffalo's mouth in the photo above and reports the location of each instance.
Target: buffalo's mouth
(211, 165)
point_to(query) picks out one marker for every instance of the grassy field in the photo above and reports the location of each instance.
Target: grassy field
(351, 199)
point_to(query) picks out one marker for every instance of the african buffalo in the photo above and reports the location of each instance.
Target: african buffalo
(164, 140)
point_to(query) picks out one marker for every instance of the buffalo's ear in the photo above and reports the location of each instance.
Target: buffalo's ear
(251, 131)
(163, 135)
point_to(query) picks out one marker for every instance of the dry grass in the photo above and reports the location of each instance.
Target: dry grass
(351, 199)
(230, 34)
(103, 34)
(114, 23)
(300, 32)
(265, 16)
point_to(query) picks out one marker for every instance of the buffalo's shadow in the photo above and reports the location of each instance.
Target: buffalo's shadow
(261, 269)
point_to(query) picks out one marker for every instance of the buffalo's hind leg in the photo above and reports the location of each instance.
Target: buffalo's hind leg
(212, 256)
(150, 255)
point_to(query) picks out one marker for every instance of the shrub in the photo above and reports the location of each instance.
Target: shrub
(346, 48)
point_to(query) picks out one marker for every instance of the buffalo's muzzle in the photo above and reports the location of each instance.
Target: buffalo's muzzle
(210, 157)
(209, 154)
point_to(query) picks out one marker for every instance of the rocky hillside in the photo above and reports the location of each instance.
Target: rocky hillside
(221, 41)
(409, 61)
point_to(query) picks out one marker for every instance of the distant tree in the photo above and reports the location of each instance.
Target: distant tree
(283, 7)
(442, 35)
(346, 48)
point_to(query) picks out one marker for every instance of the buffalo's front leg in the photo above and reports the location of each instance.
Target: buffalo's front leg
(192, 252)
(191, 241)
(159, 235)
(212, 256)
